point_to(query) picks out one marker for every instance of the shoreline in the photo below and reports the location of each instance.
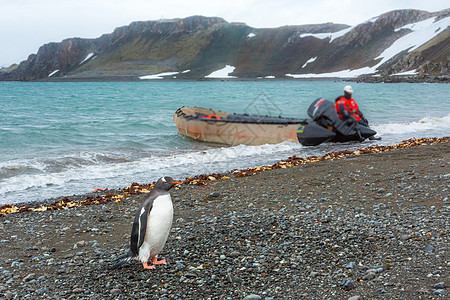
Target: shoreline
(363, 79)
(118, 195)
(371, 224)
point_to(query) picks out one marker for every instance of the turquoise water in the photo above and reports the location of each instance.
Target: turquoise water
(58, 139)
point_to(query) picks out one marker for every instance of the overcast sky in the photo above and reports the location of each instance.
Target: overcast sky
(25, 25)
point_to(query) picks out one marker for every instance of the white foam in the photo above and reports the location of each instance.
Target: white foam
(423, 124)
(251, 34)
(77, 179)
(222, 73)
(269, 77)
(158, 76)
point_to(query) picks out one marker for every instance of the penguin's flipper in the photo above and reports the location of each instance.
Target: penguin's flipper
(139, 228)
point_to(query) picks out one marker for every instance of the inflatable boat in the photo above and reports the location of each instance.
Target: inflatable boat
(233, 129)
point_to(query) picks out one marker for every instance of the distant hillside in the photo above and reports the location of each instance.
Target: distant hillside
(411, 41)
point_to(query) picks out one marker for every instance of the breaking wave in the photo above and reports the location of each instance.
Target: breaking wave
(43, 179)
(426, 123)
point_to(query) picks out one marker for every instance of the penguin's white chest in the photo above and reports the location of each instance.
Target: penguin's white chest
(158, 227)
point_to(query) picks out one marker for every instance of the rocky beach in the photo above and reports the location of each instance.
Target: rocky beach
(367, 224)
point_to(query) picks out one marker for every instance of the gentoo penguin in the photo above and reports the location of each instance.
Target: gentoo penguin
(151, 225)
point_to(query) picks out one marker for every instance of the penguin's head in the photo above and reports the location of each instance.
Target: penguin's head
(165, 183)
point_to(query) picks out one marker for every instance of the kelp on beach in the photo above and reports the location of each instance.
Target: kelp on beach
(204, 179)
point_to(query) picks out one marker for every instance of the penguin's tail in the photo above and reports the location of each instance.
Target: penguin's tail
(122, 261)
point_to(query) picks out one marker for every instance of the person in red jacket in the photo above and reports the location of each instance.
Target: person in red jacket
(347, 108)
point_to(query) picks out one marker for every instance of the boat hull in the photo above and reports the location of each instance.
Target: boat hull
(231, 133)
(234, 129)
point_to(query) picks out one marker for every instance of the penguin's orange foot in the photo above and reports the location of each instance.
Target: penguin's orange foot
(159, 262)
(146, 266)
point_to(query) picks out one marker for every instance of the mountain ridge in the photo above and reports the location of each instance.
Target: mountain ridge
(196, 46)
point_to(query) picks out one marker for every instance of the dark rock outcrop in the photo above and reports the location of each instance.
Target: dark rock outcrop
(202, 45)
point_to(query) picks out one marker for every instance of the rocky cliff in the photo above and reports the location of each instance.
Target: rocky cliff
(196, 46)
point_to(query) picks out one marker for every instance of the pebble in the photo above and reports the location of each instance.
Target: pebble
(16, 264)
(29, 277)
(79, 244)
(252, 297)
(347, 284)
(42, 291)
(369, 276)
(214, 194)
(350, 265)
(439, 292)
(405, 237)
(429, 248)
(316, 247)
(314, 274)
(116, 291)
(190, 275)
(439, 285)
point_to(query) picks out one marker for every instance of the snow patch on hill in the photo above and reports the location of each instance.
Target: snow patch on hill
(410, 72)
(309, 61)
(222, 73)
(53, 73)
(421, 33)
(87, 58)
(158, 76)
(331, 35)
(339, 74)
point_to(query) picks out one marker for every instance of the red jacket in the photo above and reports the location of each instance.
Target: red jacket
(347, 107)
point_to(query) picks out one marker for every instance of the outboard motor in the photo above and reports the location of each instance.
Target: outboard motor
(323, 109)
(324, 113)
